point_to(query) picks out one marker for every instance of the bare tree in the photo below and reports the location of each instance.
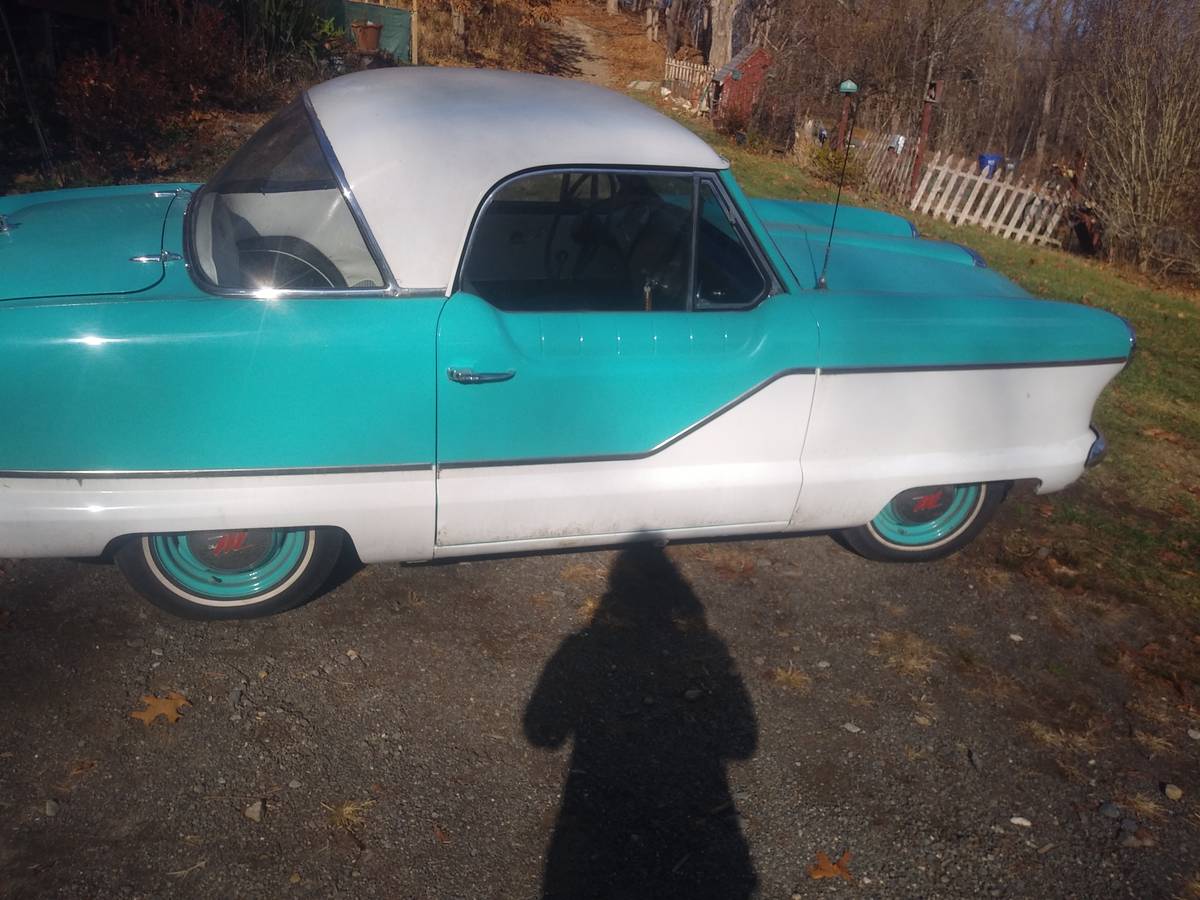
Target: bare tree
(1141, 119)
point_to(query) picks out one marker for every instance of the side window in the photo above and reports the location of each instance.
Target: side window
(584, 241)
(726, 273)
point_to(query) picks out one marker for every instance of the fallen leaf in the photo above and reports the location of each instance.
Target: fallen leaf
(169, 707)
(439, 834)
(824, 868)
(349, 814)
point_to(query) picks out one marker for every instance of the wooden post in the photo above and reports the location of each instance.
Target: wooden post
(841, 134)
(933, 95)
(415, 31)
(458, 24)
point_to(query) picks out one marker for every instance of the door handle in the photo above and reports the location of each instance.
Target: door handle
(470, 376)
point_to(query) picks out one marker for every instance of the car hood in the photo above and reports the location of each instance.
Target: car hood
(875, 252)
(81, 242)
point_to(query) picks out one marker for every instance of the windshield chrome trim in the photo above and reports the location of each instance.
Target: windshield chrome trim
(390, 288)
(360, 219)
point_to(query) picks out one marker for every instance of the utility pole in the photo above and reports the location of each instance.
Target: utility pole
(933, 96)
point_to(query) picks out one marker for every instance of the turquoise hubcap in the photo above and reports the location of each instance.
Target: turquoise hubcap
(927, 515)
(230, 565)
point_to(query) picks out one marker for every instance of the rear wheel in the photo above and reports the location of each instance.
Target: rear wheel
(230, 574)
(927, 523)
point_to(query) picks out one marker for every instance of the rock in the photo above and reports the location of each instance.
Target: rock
(973, 759)
(923, 721)
(1129, 825)
(1109, 810)
(693, 694)
(155, 651)
(1194, 734)
(1015, 638)
(235, 697)
(1173, 791)
(824, 664)
(293, 784)
(1021, 822)
(51, 808)
(1140, 838)
(254, 812)
(852, 728)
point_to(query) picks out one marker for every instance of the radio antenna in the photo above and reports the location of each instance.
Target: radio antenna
(847, 89)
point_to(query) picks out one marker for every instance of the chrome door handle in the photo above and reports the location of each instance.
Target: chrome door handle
(470, 376)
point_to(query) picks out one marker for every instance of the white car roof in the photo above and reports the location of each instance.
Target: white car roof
(421, 147)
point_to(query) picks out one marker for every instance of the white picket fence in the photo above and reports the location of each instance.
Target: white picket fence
(888, 172)
(957, 191)
(688, 79)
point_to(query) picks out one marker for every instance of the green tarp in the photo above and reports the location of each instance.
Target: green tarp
(396, 35)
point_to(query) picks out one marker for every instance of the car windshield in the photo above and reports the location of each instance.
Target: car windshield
(274, 218)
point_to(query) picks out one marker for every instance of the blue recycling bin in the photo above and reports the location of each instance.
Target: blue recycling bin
(989, 163)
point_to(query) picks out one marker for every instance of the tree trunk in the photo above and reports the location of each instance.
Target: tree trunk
(612, 7)
(674, 29)
(721, 50)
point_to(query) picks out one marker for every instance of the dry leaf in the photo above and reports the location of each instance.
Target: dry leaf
(169, 707)
(349, 814)
(826, 869)
(440, 834)
(1162, 434)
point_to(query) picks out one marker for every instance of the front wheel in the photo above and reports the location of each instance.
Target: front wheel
(230, 574)
(927, 523)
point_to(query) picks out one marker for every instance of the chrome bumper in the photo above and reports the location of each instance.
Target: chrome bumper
(1097, 451)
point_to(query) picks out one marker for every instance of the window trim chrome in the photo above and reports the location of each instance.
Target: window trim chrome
(771, 280)
(390, 288)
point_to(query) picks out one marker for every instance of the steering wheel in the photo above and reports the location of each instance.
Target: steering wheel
(286, 263)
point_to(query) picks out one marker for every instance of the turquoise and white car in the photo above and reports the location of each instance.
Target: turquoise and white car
(436, 313)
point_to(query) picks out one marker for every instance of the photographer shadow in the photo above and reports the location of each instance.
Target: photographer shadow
(654, 707)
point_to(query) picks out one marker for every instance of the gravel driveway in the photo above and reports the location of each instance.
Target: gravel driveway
(696, 722)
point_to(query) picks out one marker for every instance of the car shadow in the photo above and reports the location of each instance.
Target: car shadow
(651, 700)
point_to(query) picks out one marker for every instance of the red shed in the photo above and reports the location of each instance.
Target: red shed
(737, 85)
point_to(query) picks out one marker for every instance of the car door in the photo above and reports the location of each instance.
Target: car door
(618, 358)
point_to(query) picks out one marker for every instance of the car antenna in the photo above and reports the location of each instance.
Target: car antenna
(847, 89)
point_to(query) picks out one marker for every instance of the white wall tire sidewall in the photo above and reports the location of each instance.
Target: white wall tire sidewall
(296, 575)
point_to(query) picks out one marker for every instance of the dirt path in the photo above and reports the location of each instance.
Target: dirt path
(589, 62)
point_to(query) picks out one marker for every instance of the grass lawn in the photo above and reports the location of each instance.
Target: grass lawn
(1130, 527)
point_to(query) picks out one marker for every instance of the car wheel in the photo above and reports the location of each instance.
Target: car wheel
(927, 522)
(230, 574)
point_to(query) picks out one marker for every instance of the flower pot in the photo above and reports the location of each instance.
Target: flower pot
(366, 35)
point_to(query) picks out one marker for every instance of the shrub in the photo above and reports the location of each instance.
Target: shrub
(826, 163)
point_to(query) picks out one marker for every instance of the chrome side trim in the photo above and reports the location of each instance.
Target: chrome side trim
(622, 457)
(967, 367)
(78, 475)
